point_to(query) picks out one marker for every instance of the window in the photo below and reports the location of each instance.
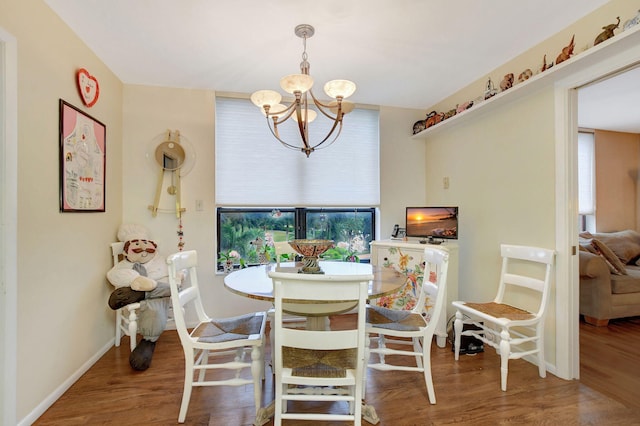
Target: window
(586, 178)
(251, 232)
(318, 197)
(254, 169)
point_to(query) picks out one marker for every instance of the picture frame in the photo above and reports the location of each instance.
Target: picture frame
(82, 160)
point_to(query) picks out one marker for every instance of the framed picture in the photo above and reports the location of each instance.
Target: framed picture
(82, 161)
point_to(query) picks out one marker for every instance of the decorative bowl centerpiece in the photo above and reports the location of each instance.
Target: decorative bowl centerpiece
(310, 250)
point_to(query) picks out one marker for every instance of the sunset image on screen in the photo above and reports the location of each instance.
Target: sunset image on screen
(432, 221)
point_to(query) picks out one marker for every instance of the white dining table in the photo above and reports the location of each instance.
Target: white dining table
(254, 282)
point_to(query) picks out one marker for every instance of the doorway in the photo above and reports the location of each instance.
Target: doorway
(602, 63)
(610, 104)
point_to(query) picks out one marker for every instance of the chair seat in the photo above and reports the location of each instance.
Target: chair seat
(227, 329)
(501, 310)
(318, 363)
(392, 319)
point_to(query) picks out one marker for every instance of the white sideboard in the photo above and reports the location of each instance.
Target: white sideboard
(407, 257)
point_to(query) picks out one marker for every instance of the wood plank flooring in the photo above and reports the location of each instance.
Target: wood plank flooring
(467, 391)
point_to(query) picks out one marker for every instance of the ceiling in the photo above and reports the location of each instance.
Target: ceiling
(404, 53)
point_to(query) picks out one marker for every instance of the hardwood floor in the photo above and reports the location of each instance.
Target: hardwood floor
(467, 391)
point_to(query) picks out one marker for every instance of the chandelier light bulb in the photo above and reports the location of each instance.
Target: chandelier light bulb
(312, 115)
(296, 83)
(265, 97)
(275, 110)
(344, 88)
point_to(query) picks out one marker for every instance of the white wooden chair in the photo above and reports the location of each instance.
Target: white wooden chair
(284, 248)
(127, 316)
(508, 324)
(414, 328)
(319, 365)
(226, 340)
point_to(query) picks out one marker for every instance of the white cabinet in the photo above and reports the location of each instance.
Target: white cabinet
(407, 257)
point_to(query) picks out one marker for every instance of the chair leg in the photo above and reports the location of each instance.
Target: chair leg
(381, 344)
(457, 331)
(426, 362)
(272, 341)
(188, 385)
(417, 349)
(257, 372)
(505, 350)
(118, 327)
(367, 355)
(542, 367)
(133, 330)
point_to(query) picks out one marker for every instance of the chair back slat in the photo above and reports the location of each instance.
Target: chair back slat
(525, 256)
(117, 252)
(433, 283)
(184, 264)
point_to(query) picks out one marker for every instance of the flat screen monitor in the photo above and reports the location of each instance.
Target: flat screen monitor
(432, 223)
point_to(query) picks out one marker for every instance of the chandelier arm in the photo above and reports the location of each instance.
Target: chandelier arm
(284, 118)
(322, 107)
(273, 127)
(333, 128)
(303, 130)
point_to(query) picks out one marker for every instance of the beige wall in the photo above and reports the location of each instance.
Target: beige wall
(62, 318)
(617, 160)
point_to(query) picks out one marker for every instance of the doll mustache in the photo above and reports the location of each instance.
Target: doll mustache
(148, 250)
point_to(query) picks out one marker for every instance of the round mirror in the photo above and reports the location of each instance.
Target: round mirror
(170, 155)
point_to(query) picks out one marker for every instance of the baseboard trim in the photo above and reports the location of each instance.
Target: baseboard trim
(60, 390)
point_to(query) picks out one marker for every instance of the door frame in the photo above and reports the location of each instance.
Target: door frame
(8, 224)
(612, 59)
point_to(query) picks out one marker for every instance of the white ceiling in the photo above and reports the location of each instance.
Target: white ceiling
(402, 53)
(612, 104)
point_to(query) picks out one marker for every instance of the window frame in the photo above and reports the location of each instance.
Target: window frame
(299, 222)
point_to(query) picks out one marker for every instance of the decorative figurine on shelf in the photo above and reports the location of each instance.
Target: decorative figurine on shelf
(507, 82)
(141, 276)
(433, 118)
(630, 23)
(419, 126)
(450, 113)
(544, 64)
(525, 75)
(567, 51)
(607, 33)
(464, 106)
(490, 90)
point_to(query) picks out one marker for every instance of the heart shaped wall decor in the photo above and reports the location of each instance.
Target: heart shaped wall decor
(88, 87)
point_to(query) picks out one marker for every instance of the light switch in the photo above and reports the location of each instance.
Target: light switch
(445, 182)
(199, 205)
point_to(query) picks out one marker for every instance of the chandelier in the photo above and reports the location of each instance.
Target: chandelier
(302, 109)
